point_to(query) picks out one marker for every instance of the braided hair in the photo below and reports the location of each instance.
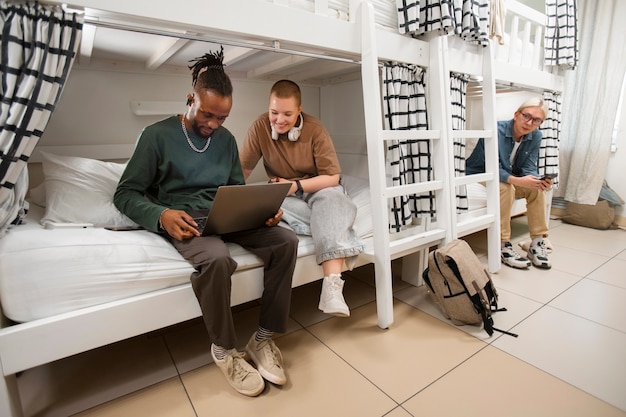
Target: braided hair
(207, 72)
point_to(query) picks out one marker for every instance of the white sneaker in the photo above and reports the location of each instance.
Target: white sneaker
(538, 255)
(513, 259)
(268, 360)
(240, 374)
(331, 298)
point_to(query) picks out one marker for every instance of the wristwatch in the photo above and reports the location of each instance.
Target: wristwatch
(299, 191)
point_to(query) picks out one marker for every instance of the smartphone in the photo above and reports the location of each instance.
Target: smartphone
(123, 228)
(550, 176)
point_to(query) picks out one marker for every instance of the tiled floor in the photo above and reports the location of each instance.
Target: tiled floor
(569, 359)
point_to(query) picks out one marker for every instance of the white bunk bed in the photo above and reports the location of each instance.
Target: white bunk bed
(344, 30)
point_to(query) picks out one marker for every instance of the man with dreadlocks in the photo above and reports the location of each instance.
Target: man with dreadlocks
(178, 164)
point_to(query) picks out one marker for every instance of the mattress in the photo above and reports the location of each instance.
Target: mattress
(45, 272)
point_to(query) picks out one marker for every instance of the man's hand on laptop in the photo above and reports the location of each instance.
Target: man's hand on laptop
(273, 221)
(179, 224)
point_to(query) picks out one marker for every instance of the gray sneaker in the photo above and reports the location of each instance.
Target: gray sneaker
(512, 258)
(240, 374)
(268, 360)
(538, 254)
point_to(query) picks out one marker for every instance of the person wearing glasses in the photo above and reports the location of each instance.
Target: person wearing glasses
(519, 140)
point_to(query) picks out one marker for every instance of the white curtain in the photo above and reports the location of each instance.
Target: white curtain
(38, 45)
(458, 95)
(590, 100)
(561, 35)
(548, 162)
(408, 162)
(468, 19)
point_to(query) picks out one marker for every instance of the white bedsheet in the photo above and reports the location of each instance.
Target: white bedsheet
(45, 272)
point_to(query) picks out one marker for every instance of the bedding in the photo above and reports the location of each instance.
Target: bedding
(48, 271)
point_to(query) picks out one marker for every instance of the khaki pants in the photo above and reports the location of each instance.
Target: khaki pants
(535, 210)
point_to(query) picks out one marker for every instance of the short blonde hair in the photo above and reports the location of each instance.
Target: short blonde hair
(535, 102)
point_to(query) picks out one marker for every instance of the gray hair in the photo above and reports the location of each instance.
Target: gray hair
(535, 102)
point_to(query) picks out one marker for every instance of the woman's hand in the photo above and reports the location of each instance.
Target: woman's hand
(273, 221)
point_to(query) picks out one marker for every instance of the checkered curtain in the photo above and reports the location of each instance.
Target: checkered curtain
(409, 161)
(548, 162)
(38, 45)
(458, 93)
(468, 19)
(561, 35)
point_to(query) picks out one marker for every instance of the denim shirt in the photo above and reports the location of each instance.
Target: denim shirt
(525, 162)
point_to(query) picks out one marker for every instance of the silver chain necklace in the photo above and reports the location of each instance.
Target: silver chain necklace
(208, 141)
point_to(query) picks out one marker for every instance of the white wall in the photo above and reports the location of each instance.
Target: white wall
(343, 115)
(94, 108)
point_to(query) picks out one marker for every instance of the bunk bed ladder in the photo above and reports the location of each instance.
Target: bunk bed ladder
(412, 245)
(490, 220)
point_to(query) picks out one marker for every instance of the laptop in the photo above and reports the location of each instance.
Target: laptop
(240, 207)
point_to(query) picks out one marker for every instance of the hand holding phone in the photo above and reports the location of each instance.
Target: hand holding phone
(549, 176)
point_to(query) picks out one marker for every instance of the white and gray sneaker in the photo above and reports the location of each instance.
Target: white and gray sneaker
(511, 258)
(538, 254)
(331, 298)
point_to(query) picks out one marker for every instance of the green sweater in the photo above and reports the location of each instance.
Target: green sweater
(164, 172)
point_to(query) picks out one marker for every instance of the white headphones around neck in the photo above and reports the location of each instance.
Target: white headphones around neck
(294, 132)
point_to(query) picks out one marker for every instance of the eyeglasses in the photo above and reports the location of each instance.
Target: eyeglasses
(527, 118)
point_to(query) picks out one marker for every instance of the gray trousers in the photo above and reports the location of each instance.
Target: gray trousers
(277, 247)
(328, 217)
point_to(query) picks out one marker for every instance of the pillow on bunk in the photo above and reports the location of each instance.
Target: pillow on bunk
(80, 190)
(359, 192)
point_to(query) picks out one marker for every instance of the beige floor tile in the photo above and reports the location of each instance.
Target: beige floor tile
(399, 412)
(575, 261)
(518, 308)
(612, 272)
(320, 383)
(603, 303)
(585, 354)
(82, 381)
(492, 383)
(601, 242)
(622, 255)
(403, 359)
(165, 399)
(536, 284)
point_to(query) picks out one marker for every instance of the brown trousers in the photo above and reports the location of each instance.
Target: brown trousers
(276, 246)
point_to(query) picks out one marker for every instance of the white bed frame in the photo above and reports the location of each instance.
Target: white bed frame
(23, 346)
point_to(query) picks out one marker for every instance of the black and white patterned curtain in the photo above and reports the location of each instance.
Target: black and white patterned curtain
(561, 35)
(409, 162)
(468, 19)
(38, 44)
(458, 94)
(548, 162)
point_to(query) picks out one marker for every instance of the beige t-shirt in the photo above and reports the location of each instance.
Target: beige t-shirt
(311, 155)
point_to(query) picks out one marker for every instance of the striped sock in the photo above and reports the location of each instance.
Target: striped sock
(219, 352)
(263, 334)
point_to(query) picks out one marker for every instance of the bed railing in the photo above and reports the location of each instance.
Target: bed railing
(523, 42)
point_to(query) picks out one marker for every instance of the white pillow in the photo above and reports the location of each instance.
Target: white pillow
(359, 191)
(80, 190)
